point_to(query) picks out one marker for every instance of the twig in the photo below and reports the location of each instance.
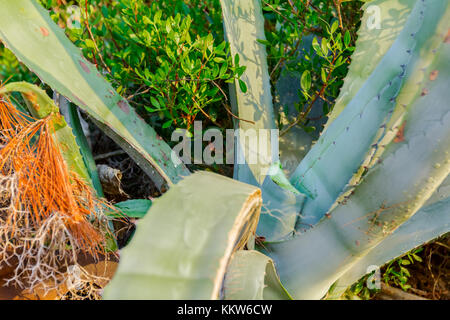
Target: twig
(284, 58)
(138, 93)
(337, 4)
(208, 116)
(391, 293)
(93, 39)
(443, 245)
(235, 116)
(223, 93)
(302, 115)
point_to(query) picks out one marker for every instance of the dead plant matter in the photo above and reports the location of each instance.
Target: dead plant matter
(49, 216)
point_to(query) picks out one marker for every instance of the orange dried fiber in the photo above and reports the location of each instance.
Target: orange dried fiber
(44, 184)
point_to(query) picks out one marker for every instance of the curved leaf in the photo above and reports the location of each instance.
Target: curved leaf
(244, 26)
(381, 24)
(135, 208)
(354, 141)
(74, 120)
(182, 247)
(252, 276)
(408, 173)
(429, 223)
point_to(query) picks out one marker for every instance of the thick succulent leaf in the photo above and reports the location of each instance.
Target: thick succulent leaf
(410, 91)
(73, 118)
(442, 193)
(135, 208)
(354, 141)
(429, 223)
(251, 275)
(244, 25)
(182, 247)
(432, 221)
(40, 106)
(38, 103)
(408, 173)
(372, 44)
(28, 31)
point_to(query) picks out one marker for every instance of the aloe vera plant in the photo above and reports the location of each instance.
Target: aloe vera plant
(373, 187)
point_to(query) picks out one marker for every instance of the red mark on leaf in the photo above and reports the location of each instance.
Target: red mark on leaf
(447, 37)
(84, 66)
(399, 137)
(124, 106)
(44, 32)
(434, 74)
(80, 102)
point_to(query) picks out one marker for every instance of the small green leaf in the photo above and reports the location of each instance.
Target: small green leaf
(219, 59)
(264, 42)
(405, 262)
(155, 102)
(223, 70)
(89, 43)
(305, 81)
(243, 86)
(167, 124)
(334, 26)
(136, 208)
(323, 75)
(324, 46)
(347, 38)
(146, 20)
(315, 44)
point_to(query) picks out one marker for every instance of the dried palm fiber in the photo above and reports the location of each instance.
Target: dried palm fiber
(48, 215)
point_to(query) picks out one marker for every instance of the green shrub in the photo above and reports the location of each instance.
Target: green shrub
(167, 58)
(320, 67)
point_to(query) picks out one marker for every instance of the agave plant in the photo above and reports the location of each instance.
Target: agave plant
(372, 187)
(368, 186)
